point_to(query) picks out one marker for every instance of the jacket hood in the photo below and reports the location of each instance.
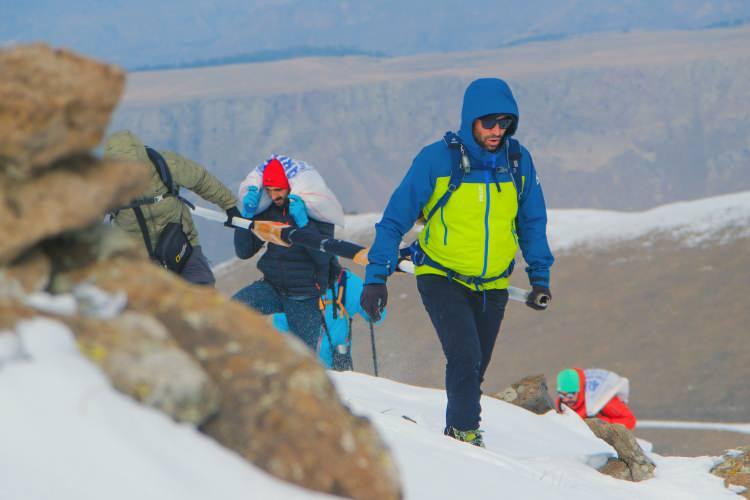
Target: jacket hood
(484, 97)
(125, 145)
(581, 402)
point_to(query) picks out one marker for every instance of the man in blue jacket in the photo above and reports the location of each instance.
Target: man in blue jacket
(481, 199)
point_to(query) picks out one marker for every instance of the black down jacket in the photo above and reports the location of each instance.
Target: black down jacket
(293, 271)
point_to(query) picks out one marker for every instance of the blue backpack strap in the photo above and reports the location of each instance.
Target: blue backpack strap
(457, 171)
(514, 160)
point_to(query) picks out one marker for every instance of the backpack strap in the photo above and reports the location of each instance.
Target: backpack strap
(341, 297)
(144, 230)
(162, 168)
(337, 299)
(460, 166)
(514, 162)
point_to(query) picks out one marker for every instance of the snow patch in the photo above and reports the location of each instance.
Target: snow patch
(63, 305)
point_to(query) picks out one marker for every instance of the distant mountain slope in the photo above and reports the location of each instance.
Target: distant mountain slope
(144, 33)
(658, 296)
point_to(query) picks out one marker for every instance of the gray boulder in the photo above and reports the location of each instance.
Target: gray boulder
(530, 393)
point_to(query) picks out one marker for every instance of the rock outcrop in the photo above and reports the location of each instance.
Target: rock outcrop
(632, 464)
(734, 468)
(530, 393)
(186, 350)
(55, 104)
(279, 409)
(137, 353)
(73, 195)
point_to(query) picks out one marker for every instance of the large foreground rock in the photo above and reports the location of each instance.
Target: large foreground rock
(137, 355)
(73, 195)
(633, 464)
(53, 104)
(29, 273)
(141, 359)
(278, 410)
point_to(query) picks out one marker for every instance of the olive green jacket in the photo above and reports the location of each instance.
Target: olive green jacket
(124, 145)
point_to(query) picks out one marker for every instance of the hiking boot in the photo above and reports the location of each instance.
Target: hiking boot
(472, 436)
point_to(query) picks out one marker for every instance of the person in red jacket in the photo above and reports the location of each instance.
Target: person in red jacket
(595, 393)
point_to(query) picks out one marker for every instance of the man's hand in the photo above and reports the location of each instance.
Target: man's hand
(250, 202)
(373, 300)
(539, 298)
(232, 212)
(298, 210)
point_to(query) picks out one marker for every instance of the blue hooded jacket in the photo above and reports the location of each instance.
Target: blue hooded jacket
(479, 230)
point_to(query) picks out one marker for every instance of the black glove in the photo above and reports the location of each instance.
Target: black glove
(232, 212)
(373, 300)
(539, 298)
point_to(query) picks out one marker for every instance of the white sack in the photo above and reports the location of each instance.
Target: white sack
(306, 182)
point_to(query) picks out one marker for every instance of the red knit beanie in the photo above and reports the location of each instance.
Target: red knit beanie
(274, 176)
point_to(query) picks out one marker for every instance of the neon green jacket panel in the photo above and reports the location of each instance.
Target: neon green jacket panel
(474, 233)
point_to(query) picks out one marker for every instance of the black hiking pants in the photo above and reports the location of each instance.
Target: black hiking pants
(467, 323)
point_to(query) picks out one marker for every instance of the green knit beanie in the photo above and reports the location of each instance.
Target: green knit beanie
(568, 380)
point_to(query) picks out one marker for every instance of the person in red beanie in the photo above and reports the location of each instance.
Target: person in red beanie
(595, 393)
(293, 277)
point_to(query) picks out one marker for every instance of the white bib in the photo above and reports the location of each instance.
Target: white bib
(601, 387)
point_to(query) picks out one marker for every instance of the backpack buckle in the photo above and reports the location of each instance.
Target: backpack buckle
(465, 163)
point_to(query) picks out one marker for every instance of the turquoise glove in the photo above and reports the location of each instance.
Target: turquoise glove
(250, 202)
(297, 210)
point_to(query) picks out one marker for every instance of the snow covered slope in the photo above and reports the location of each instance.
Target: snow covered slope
(66, 434)
(718, 219)
(527, 456)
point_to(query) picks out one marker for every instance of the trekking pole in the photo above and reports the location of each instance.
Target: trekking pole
(274, 232)
(349, 343)
(374, 352)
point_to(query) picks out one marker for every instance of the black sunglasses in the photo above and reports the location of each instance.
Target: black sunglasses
(488, 122)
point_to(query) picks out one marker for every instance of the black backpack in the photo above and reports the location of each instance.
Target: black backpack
(173, 248)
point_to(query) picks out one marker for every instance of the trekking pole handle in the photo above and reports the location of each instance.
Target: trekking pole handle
(542, 300)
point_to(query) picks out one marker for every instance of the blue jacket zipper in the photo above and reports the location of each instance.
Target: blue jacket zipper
(445, 235)
(486, 219)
